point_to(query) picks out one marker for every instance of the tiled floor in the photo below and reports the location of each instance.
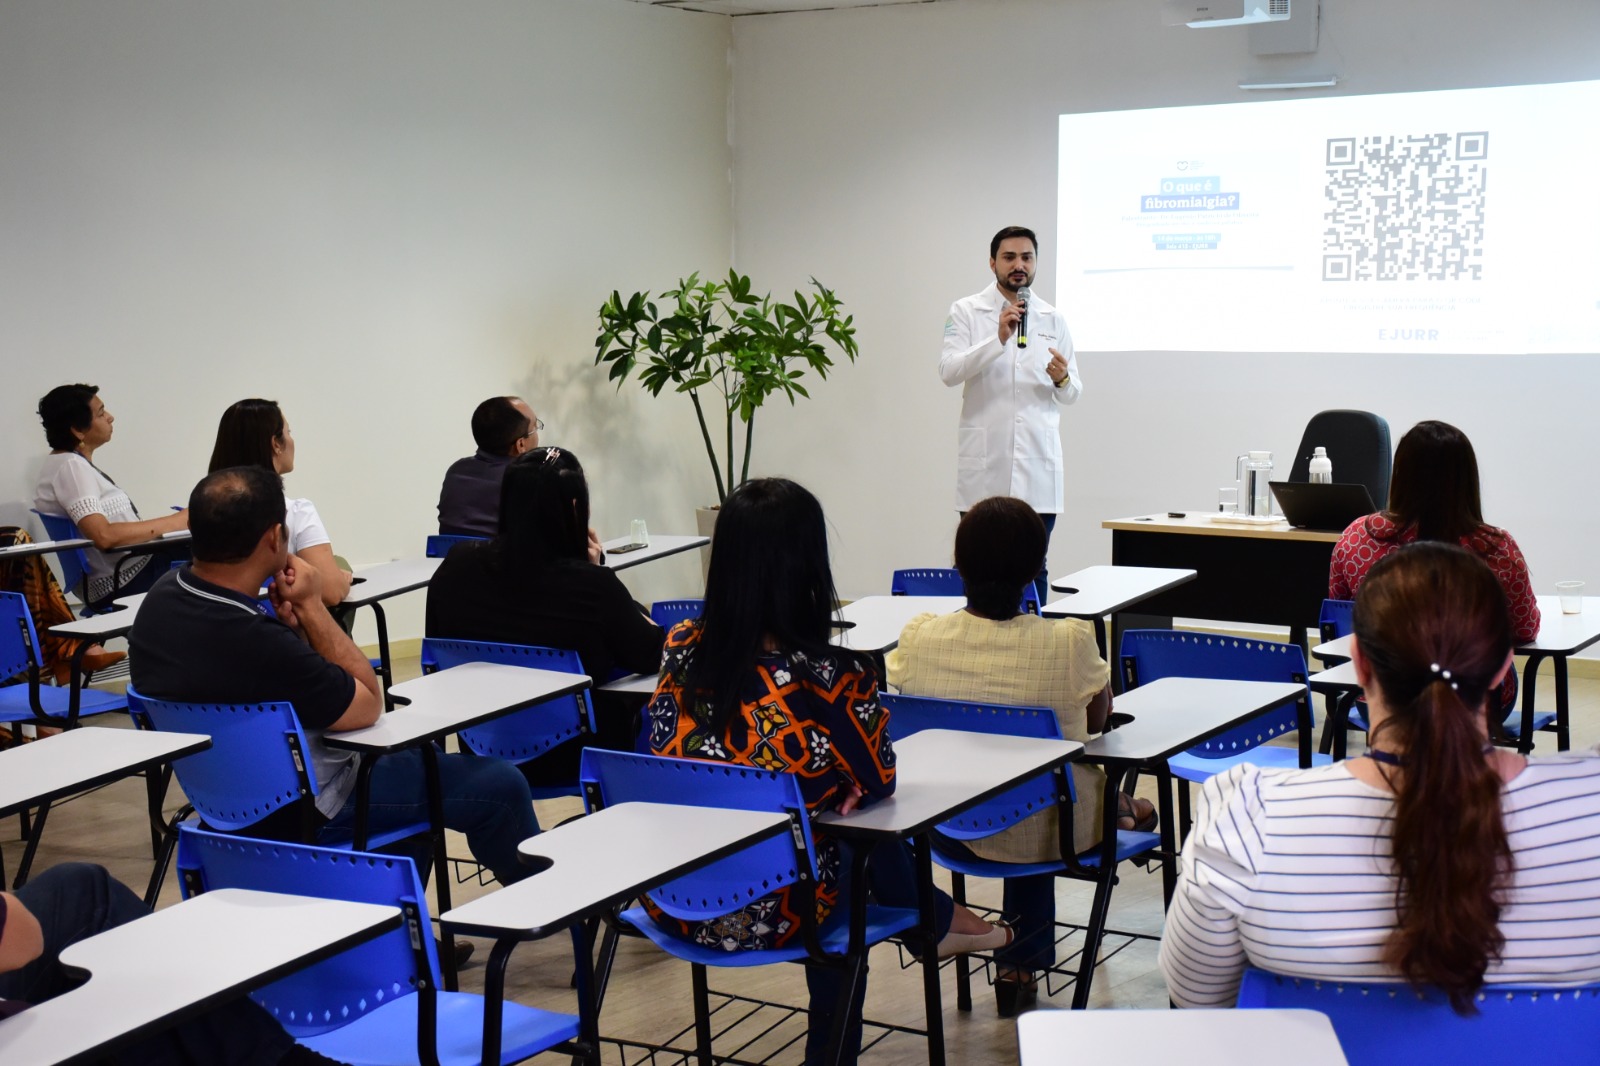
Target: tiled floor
(649, 996)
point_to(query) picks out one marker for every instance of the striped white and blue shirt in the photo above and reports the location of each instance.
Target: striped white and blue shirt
(1291, 871)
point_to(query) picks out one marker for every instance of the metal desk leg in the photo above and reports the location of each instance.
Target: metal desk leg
(922, 850)
(1563, 730)
(1169, 836)
(385, 667)
(441, 861)
(1096, 926)
(33, 845)
(1530, 679)
(494, 998)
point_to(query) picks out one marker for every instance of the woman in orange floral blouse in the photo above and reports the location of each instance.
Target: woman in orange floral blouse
(755, 681)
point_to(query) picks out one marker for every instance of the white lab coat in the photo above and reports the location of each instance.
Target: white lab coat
(1009, 439)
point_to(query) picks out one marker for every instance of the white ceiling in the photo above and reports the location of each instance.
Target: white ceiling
(768, 7)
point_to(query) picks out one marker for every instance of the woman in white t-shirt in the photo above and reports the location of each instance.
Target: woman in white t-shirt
(76, 424)
(255, 433)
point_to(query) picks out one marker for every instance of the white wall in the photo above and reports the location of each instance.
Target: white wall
(879, 149)
(377, 212)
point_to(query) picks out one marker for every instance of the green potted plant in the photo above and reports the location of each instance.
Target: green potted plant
(718, 339)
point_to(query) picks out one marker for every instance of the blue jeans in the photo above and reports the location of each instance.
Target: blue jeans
(891, 882)
(75, 901)
(487, 799)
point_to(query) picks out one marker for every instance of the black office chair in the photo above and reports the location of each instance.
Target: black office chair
(1358, 444)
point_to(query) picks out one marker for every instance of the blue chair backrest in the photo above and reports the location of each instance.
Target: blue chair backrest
(1393, 1023)
(258, 761)
(19, 643)
(532, 731)
(668, 613)
(723, 887)
(909, 715)
(1336, 620)
(337, 991)
(439, 544)
(74, 564)
(936, 581)
(1150, 654)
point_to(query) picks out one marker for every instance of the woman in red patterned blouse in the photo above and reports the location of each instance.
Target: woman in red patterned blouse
(1433, 495)
(755, 681)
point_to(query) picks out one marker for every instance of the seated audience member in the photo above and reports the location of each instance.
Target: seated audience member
(255, 433)
(1433, 495)
(200, 637)
(76, 425)
(755, 681)
(469, 501)
(990, 652)
(31, 577)
(73, 902)
(1435, 859)
(539, 582)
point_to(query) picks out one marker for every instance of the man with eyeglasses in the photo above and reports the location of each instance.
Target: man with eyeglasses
(469, 501)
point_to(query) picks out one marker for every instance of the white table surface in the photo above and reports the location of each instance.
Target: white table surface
(44, 547)
(661, 545)
(941, 772)
(1096, 591)
(1190, 1037)
(1337, 648)
(878, 620)
(1172, 714)
(100, 627)
(1559, 634)
(150, 973)
(1341, 678)
(380, 582)
(637, 684)
(605, 858)
(1199, 523)
(83, 757)
(451, 700)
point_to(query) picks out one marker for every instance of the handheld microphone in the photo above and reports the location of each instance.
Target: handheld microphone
(1023, 294)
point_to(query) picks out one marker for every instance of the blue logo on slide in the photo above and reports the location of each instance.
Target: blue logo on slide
(1190, 192)
(1187, 242)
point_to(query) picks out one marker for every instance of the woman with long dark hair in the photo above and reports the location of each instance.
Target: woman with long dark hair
(1433, 495)
(255, 433)
(757, 681)
(539, 581)
(1436, 858)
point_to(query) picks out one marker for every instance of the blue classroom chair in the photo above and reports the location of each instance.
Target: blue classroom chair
(74, 563)
(526, 734)
(1383, 1024)
(259, 763)
(27, 702)
(668, 613)
(788, 860)
(936, 581)
(912, 714)
(377, 1004)
(439, 544)
(1149, 654)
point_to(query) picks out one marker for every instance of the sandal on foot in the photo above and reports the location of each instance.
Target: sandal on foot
(1126, 808)
(1001, 935)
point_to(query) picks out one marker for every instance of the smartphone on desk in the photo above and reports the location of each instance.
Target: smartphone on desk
(625, 549)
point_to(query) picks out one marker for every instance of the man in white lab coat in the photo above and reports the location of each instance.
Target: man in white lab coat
(1014, 384)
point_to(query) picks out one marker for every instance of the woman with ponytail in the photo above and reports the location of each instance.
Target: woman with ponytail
(1436, 859)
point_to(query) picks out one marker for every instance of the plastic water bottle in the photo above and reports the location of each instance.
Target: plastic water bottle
(1321, 467)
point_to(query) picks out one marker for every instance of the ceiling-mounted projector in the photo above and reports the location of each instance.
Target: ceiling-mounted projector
(1212, 14)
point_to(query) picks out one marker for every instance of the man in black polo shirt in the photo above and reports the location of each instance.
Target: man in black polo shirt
(201, 637)
(504, 427)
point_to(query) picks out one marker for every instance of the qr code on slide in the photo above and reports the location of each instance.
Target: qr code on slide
(1405, 208)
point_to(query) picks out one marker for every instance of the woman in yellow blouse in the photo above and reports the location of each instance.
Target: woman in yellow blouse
(989, 652)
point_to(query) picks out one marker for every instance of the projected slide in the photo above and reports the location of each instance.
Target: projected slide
(1460, 221)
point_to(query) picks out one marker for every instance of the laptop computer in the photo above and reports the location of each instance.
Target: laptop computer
(1320, 506)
